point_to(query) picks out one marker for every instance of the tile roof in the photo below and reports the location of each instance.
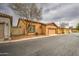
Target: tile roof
(5, 15)
(24, 21)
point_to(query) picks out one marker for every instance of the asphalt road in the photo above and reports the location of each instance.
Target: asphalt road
(64, 45)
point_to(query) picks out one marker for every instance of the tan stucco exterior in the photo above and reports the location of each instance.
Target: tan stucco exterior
(40, 28)
(22, 27)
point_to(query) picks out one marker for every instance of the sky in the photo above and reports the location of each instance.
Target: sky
(52, 12)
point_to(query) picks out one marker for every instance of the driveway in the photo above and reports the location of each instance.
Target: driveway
(64, 45)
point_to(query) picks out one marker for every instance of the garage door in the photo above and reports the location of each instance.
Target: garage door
(1, 31)
(51, 31)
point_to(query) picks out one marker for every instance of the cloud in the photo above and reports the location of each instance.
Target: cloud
(62, 11)
(5, 9)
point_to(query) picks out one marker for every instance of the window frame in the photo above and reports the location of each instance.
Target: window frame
(31, 28)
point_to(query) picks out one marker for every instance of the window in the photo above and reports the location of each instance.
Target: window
(31, 28)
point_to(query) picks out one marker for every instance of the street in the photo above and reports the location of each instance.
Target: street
(61, 45)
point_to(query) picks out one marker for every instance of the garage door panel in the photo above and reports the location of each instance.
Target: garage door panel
(51, 31)
(1, 31)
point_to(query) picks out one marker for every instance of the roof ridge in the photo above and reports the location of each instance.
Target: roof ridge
(32, 20)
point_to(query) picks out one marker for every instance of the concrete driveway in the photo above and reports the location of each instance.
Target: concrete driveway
(64, 45)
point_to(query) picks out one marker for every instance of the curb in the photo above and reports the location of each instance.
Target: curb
(23, 39)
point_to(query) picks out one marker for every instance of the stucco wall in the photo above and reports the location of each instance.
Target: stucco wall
(17, 31)
(38, 29)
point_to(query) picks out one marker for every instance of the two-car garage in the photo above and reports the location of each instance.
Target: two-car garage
(51, 31)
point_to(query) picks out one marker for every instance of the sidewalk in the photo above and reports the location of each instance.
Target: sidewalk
(28, 38)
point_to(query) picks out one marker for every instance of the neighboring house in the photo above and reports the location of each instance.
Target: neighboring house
(60, 30)
(74, 30)
(5, 26)
(66, 30)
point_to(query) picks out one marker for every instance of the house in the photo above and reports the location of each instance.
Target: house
(60, 30)
(5, 26)
(74, 30)
(30, 27)
(63, 30)
(66, 30)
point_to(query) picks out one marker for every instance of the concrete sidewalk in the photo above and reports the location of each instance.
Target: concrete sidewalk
(22, 39)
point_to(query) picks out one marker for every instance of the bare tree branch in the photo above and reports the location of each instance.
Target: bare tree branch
(28, 10)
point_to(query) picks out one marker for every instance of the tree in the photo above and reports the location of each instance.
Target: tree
(35, 12)
(77, 27)
(28, 10)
